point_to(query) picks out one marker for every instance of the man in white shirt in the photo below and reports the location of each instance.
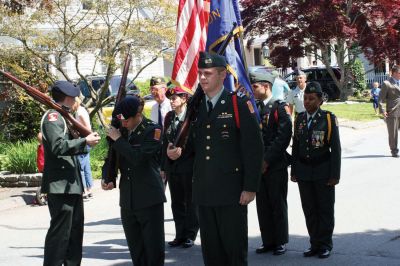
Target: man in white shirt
(162, 106)
(295, 97)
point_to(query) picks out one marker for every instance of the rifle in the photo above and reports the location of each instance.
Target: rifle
(194, 103)
(77, 129)
(112, 170)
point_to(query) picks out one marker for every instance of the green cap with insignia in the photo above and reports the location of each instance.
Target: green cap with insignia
(207, 60)
(313, 87)
(157, 81)
(258, 76)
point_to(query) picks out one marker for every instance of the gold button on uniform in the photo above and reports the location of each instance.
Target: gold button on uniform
(237, 169)
(208, 126)
(207, 157)
(208, 137)
(207, 147)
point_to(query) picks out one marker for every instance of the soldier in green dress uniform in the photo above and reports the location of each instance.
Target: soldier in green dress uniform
(316, 168)
(271, 197)
(62, 180)
(179, 173)
(141, 188)
(227, 165)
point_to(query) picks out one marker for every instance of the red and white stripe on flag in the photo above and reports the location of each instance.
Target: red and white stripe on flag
(191, 38)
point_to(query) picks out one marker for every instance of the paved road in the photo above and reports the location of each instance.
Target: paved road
(366, 233)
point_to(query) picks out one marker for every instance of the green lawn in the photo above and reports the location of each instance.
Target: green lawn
(355, 112)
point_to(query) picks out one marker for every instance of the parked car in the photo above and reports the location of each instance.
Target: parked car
(98, 81)
(320, 75)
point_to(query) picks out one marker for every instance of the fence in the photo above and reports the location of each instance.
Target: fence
(372, 77)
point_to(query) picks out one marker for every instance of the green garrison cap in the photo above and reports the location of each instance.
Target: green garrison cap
(313, 87)
(208, 60)
(156, 81)
(257, 76)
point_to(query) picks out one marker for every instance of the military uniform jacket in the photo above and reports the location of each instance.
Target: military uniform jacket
(315, 158)
(227, 159)
(61, 173)
(277, 132)
(140, 184)
(390, 93)
(184, 164)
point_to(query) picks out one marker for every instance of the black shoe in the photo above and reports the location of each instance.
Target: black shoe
(176, 242)
(395, 155)
(279, 250)
(188, 243)
(310, 252)
(264, 249)
(324, 253)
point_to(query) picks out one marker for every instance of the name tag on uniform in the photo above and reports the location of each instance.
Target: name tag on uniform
(224, 116)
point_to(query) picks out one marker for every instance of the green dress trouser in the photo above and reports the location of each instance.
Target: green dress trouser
(223, 232)
(318, 200)
(63, 244)
(144, 232)
(272, 208)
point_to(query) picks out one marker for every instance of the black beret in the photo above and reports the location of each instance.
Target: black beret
(126, 108)
(207, 60)
(313, 87)
(66, 88)
(157, 81)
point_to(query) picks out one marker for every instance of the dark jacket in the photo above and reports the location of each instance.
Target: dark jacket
(183, 164)
(277, 132)
(314, 157)
(227, 159)
(140, 183)
(61, 173)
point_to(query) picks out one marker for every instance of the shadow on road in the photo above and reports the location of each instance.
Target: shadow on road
(365, 156)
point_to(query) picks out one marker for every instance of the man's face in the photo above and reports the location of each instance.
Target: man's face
(311, 102)
(396, 75)
(131, 122)
(260, 90)
(69, 101)
(158, 92)
(301, 81)
(177, 101)
(211, 79)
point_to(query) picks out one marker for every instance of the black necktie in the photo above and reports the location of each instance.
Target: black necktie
(260, 106)
(210, 107)
(159, 115)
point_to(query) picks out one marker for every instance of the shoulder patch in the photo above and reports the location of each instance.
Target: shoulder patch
(250, 105)
(52, 117)
(157, 134)
(242, 92)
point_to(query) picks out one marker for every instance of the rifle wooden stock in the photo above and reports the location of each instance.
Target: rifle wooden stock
(112, 170)
(46, 100)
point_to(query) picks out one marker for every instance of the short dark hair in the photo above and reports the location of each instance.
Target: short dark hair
(57, 95)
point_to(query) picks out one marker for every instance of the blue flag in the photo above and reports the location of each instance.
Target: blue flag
(223, 15)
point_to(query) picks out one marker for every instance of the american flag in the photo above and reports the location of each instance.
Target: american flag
(191, 37)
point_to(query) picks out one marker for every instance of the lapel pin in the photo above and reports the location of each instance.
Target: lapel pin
(223, 102)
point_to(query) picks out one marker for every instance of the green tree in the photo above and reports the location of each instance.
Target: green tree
(66, 29)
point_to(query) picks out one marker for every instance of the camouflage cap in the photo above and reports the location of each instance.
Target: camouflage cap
(157, 81)
(313, 87)
(208, 60)
(258, 76)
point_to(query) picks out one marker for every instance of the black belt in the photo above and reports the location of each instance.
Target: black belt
(319, 160)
